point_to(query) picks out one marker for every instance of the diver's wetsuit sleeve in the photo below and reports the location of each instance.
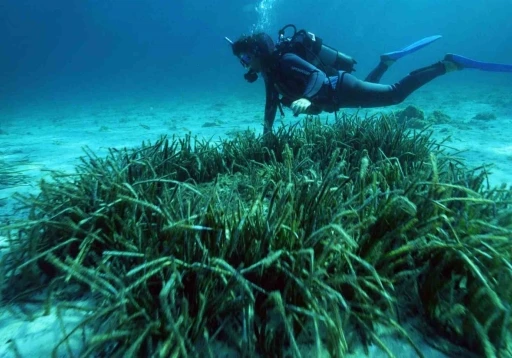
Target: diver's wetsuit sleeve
(298, 79)
(300, 71)
(271, 104)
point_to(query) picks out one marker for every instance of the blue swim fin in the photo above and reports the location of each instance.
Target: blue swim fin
(464, 62)
(395, 55)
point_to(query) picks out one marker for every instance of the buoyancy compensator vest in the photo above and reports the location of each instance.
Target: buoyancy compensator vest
(311, 48)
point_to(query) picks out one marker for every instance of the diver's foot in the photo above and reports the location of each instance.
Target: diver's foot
(451, 64)
(455, 62)
(391, 57)
(386, 61)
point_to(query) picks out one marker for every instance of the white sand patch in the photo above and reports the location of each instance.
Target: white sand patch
(39, 335)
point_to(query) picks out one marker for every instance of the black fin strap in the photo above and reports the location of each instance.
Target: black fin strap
(280, 106)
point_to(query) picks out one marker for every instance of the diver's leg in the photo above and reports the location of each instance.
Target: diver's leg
(389, 58)
(452, 62)
(376, 74)
(352, 92)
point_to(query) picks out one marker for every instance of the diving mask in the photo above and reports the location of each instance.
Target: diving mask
(245, 60)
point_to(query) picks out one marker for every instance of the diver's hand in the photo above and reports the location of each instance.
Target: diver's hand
(300, 106)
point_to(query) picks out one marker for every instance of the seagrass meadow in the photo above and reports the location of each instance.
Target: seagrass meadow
(10, 174)
(318, 235)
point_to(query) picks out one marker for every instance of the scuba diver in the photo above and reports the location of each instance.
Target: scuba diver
(302, 73)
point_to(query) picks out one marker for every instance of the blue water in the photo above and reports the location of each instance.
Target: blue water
(96, 49)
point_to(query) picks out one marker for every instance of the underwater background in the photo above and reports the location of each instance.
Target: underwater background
(85, 82)
(80, 51)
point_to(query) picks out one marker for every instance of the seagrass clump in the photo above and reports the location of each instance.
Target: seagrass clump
(316, 236)
(10, 173)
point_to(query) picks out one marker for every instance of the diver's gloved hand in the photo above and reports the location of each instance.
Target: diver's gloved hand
(300, 106)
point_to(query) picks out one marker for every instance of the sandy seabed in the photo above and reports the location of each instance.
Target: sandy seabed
(38, 138)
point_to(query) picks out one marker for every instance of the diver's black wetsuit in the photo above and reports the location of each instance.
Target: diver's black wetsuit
(293, 78)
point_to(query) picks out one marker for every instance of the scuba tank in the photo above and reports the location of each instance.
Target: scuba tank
(312, 49)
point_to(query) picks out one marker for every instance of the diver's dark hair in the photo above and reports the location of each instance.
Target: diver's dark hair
(259, 44)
